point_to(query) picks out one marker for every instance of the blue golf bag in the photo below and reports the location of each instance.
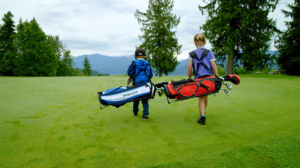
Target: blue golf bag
(119, 96)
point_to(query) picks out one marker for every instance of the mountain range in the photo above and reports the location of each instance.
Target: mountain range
(118, 65)
(106, 64)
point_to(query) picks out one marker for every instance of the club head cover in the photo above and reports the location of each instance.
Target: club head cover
(232, 78)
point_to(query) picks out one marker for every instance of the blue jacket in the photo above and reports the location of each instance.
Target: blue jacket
(140, 65)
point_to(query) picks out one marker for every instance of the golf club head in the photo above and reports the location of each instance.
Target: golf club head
(229, 86)
(226, 92)
(161, 92)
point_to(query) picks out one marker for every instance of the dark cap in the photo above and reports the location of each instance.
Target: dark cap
(140, 52)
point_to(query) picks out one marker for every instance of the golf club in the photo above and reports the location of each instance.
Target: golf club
(161, 92)
(226, 92)
(229, 86)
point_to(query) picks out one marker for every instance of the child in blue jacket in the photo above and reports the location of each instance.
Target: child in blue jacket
(141, 73)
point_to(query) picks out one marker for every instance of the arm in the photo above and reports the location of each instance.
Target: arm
(214, 67)
(130, 69)
(189, 70)
(213, 63)
(149, 71)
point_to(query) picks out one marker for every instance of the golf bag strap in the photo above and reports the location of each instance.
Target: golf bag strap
(204, 54)
(184, 81)
(132, 78)
(151, 84)
(206, 67)
(116, 89)
(199, 84)
(146, 73)
(194, 55)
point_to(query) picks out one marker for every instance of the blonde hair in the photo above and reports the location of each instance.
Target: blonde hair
(199, 39)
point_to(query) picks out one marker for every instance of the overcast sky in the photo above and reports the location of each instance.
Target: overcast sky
(109, 27)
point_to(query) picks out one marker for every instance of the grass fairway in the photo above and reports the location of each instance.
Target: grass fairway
(56, 122)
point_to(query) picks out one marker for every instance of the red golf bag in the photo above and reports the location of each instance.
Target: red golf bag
(188, 88)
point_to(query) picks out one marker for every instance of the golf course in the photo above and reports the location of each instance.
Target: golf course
(57, 122)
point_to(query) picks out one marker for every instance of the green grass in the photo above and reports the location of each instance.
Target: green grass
(56, 122)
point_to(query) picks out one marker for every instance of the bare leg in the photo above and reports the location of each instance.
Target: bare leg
(202, 105)
(206, 101)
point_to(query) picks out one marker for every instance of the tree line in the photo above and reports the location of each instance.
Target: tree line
(25, 50)
(239, 30)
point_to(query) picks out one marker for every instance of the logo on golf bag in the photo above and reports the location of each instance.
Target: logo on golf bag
(129, 94)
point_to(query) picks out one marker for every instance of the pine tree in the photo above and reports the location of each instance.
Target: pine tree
(241, 30)
(288, 44)
(87, 66)
(66, 65)
(7, 30)
(158, 39)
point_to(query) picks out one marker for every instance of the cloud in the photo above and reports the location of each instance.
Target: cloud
(109, 27)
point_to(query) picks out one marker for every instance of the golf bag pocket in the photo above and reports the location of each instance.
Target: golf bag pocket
(188, 88)
(119, 96)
